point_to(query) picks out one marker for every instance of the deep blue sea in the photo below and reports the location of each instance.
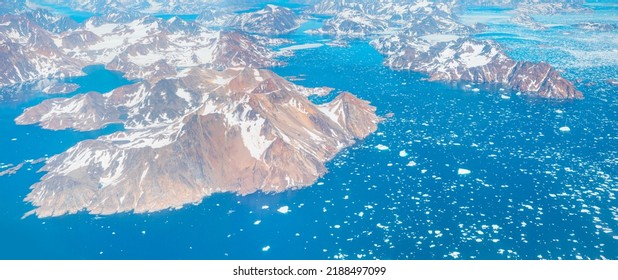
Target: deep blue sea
(533, 192)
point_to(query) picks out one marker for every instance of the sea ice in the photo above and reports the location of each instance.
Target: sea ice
(462, 171)
(381, 147)
(283, 209)
(403, 153)
(565, 129)
(265, 249)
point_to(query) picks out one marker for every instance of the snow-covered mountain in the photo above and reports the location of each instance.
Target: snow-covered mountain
(238, 130)
(352, 23)
(526, 20)
(596, 26)
(544, 8)
(453, 58)
(28, 52)
(50, 22)
(386, 9)
(121, 42)
(429, 38)
(358, 18)
(145, 6)
(271, 20)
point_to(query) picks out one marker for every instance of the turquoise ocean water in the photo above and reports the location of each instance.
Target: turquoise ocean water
(533, 191)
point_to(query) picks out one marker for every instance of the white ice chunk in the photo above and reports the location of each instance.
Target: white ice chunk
(462, 171)
(283, 209)
(381, 147)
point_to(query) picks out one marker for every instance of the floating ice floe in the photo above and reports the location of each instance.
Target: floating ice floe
(411, 163)
(504, 96)
(257, 222)
(265, 249)
(558, 111)
(381, 147)
(283, 209)
(463, 171)
(265, 207)
(403, 153)
(565, 129)
(302, 47)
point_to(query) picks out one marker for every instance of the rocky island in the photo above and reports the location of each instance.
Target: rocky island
(428, 37)
(238, 130)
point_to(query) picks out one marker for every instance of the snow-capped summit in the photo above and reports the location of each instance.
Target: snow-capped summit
(34, 53)
(190, 135)
(271, 20)
(526, 20)
(49, 21)
(352, 23)
(453, 58)
(29, 52)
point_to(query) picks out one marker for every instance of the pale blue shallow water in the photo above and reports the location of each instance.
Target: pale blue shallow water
(533, 191)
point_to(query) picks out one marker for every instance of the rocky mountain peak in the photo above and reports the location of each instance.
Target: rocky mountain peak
(193, 134)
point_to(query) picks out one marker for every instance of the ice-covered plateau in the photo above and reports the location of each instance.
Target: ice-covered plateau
(190, 135)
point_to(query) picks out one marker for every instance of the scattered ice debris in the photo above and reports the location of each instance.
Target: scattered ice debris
(565, 129)
(411, 163)
(266, 248)
(381, 147)
(283, 209)
(463, 171)
(455, 255)
(403, 153)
